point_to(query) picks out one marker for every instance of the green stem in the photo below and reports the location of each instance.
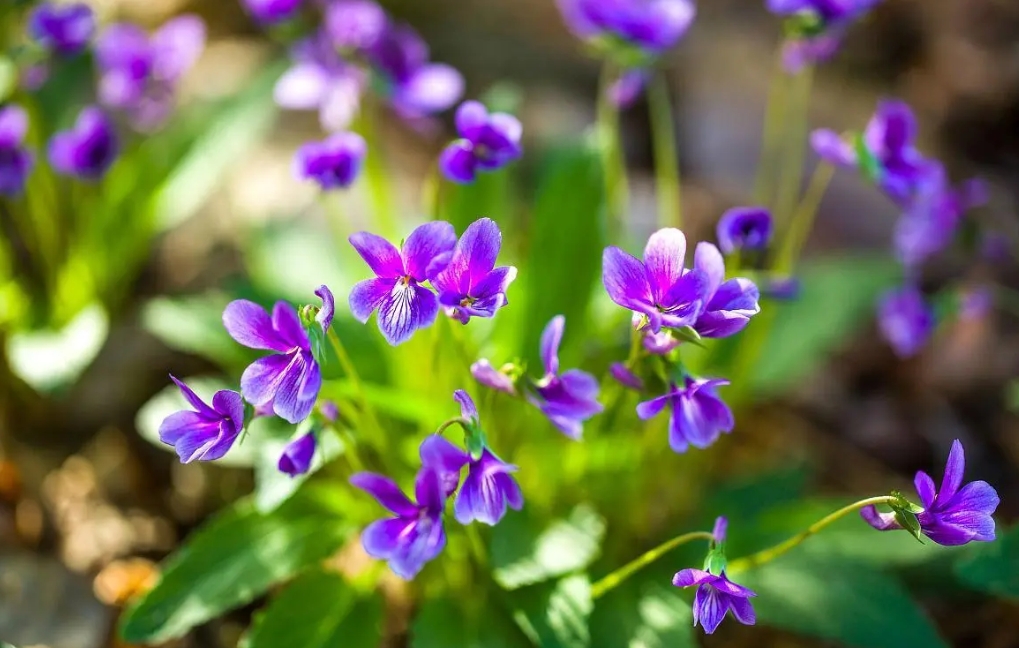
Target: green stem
(601, 587)
(613, 164)
(774, 115)
(803, 219)
(367, 412)
(663, 134)
(797, 123)
(771, 553)
(379, 189)
(431, 195)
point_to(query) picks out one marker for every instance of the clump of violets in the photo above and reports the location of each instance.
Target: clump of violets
(63, 29)
(955, 514)
(88, 149)
(487, 142)
(716, 595)
(333, 163)
(15, 159)
(815, 28)
(206, 432)
(139, 73)
(567, 398)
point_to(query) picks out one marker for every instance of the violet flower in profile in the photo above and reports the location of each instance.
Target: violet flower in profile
(320, 79)
(490, 377)
(139, 73)
(567, 399)
(487, 142)
(297, 455)
(206, 433)
(403, 304)
(885, 151)
(88, 149)
(905, 320)
(15, 160)
(815, 28)
(730, 308)
(699, 416)
(415, 535)
(716, 595)
(625, 377)
(953, 515)
(471, 285)
(290, 378)
(333, 163)
(63, 29)
(649, 26)
(272, 12)
(489, 487)
(744, 228)
(415, 87)
(627, 88)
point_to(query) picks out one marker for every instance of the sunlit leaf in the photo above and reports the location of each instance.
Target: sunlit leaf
(646, 614)
(440, 623)
(194, 324)
(49, 360)
(271, 435)
(555, 615)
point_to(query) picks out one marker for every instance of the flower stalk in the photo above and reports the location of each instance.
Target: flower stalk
(610, 148)
(609, 582)
(663, 135)
(367, 414)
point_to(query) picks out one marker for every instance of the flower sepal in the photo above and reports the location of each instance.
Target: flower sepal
(715, 562)
(905, 514)
(805, 24)
(689, 334)
(867, 160)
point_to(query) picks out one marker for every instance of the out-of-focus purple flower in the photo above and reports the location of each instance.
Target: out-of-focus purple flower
(404, 305)
(492, 378)
(816, 27)
(63, 29)
(782, 288)
(354, 24)
(140, 73)
(329, 410)
(650, 26)
(415, 87)
(34, 76)
(272, 12)
(333, 163)
(748, 228)
(887, 143)
(15, 160)
(487, 142)
(88, 149)
(976, 303)
(567, 399)
(415, 535)
(716, 596)
(954, 515)
(905, 320)
(290, 378)
(471, 285)
(319, 79)
(207, 433)
(297, 455)
(698, 417)
(625, 377)
(627, 88)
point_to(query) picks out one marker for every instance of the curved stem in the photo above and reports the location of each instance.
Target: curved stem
(663, 134)
(462, 422)
(803, 218)
(367, 412)
(771, 553)
(612, 162)
(600, 587)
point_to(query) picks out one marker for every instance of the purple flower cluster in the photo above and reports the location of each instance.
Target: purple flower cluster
(815, 28)
(462, 272)
(64, 29)
(416, 535)
(568, 399)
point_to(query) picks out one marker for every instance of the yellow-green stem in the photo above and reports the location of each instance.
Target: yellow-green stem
(803, 219)
(663, 135)
(613, 164)
(774, 116)
(797, 122)
(383, 206)
(378, 435)
(601, 587)
(771, 553)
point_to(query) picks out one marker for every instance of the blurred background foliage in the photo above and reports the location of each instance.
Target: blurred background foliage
(137, 270)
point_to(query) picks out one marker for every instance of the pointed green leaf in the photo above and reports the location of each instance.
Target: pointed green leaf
(555, 615)
(441, 623)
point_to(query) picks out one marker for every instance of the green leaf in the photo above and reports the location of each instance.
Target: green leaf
(568, 227)
(234, 559)
(838, 296)
(307, 254)
(318, 610)
(393, 402)
(273, 487)
(523, 555)
(194, 324)
(838, 600)
(645, 614)
(488, 195)
(993, 567)
(50, 360)
(441, 623)
(554, 615)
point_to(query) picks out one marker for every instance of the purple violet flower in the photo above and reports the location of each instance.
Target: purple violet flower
(490, 377)
(742, 228)
(956, 514)
(272, 12)
(140, 73)
(63, 29)
(354, 24)
(403, 304)
(415, 87)
(87, 150)
(816, 27)
(319, 79)
(488, 142)
(489, 486)
(297, 455)
(716, 595)
(698, 415)
(207, 433)
(905, 320)
(415, 535)
(15, 160)
(333, 163)
(625, 377)
(651, 26)
(290, 378)
(568, 399)
(471, 285)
